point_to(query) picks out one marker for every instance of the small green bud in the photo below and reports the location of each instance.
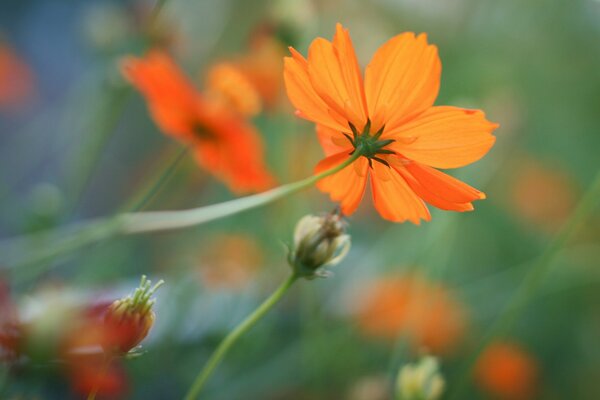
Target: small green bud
(319, 241)
(420, 381)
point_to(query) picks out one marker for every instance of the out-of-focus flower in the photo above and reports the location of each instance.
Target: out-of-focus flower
(16, 79)
(129, 320)
(226, 84)
(87, 366)
(10, 329)
(425, 311)
(319, 241)
(375, 387)
(420, 381)
(224, 143)
(262, 66)
(91, 373)
(390, 119)
(542, 194)
(252, 81)
(102, 333)
(507, 371)
(230, 261)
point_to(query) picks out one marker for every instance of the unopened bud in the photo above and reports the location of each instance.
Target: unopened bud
(420, 381)
(319, 241)
(129, 319)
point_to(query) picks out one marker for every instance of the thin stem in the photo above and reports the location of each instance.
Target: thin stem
(167, 220)
(531, 282)
(234, 335)
(104, 126)
(156, 182)
(54, 244)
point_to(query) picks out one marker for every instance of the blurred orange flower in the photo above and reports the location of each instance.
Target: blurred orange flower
(226, 84)
(252, 81)
(224, 142)
(88, 366)
(425, 311)
(16, 79)
(230, 261)
(391, 119)
(542, 194)
(507, 371)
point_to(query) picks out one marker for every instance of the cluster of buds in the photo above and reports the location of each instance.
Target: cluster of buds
(319, 242)
(420, 381)
(129, 319)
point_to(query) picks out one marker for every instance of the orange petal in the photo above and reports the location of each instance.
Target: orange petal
(347, 186)
(446, 137)
(171, 98)
(335, 76)
(332, 141)
(303, 96)
(402, 80)
(344, 49)
(234, 153)
(438, 189)
(394, 199)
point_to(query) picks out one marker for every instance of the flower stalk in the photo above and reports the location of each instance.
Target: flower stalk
(71, 239)
(235, 334)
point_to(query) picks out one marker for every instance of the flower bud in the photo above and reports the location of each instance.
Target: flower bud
(129, 319)
(319, 241)
(420, 381)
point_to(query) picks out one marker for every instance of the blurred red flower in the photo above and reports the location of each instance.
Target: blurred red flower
(16, 79)
(10, 328)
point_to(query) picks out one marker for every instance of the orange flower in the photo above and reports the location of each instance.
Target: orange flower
(426, 311)
(230, 261)
(507, 371)
(223, 142)
(543, 195)
(225, 83)
(252, 81)
(390, 119)
(16, 79)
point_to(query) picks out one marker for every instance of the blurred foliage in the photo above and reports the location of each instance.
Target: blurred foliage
(84, 145)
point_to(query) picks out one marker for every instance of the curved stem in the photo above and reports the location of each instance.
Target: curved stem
(157, 181)
(166, 220)
(54, 244)
(531, 282)
(234, 335)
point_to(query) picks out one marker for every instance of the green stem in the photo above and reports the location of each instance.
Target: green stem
(54, 244)
(234, 335)
(167, 220)
(531, 282)
(104, 126)
(158, 180)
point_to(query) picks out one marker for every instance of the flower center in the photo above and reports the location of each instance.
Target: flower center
(203, 132)
(369, 145)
